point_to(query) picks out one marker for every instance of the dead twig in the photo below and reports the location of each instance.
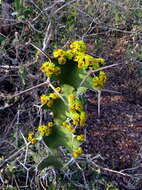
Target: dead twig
(29, 89)
(41, 51)
(100, 69)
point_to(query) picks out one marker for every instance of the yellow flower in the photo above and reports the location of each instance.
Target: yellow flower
(58, 53)
(57, 70)
(49, 69)
(31, 138)
(75, 118)
(70, 128)
(103, 76)
(72, 107)
(53, 96)
(100, 60)
(99, 81)
(62, 60)
(46, 65)
(81, 63)
(34, 141)
(64, 123)
(78, 46)
(89, 60)
(78, 56)
(44, 99)
(50, 124)
(78, 105)
(44, 130)
(75, 53)
(58, 89)
(69, 54)
(80, 137)
(84, 60)
(50, 103)
(78, 116)
(78, 152)
(71, 98)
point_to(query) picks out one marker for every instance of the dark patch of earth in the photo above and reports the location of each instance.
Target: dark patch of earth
(116, 135)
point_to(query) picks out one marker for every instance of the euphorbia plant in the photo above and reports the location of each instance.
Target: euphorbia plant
(68, 68)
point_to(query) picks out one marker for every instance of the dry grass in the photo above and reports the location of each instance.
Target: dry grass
(112, 29)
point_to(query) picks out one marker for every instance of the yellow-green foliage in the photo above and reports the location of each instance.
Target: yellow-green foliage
(69, 68)
(50, 69)
(44, 130)
(76, 109)
(99, 81)
(48, 99)
(78, 152)
(31, 138)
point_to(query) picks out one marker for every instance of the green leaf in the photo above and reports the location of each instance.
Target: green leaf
(87, 83)
(67, 89)
(56, 139)
(61, 137)
(50, 161)
(70, 79)
(10, 187)
(58, 110)
(70, 74)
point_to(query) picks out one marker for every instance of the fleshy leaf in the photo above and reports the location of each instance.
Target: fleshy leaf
(61, 137)
(50, 161)
(71, 74)
(58, 110)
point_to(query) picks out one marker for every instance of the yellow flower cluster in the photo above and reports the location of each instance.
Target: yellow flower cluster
(60, 55)
(50, 69)
(45, 100)
(75, 105)
(48, 100)
(84, 61)
(77, 54)
(76, 109)
(53, 96)
(71, 98)
(80, 137)
(99, 81)
(69, 54)
(100, 60)
(31, 138)
(50, 124)
(69, 127)
(78, 152)
(78, 46)
(45, 130)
